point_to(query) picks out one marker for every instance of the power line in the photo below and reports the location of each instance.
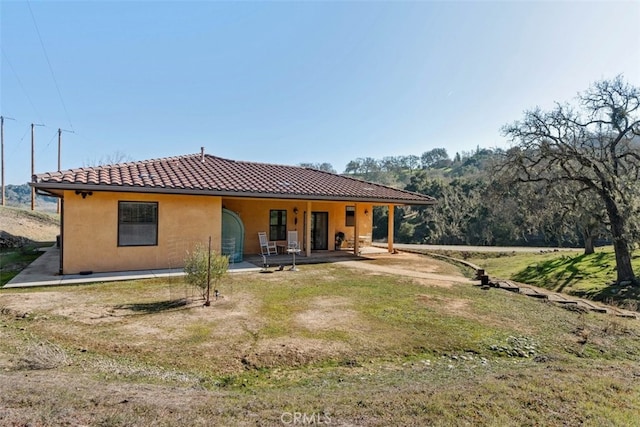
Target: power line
(2, 118)
(49, 143)
(26, 94)
(15, 148)
(33, 164)
(55, 81)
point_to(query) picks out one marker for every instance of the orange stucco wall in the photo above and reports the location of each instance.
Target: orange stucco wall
(90, 231)
(90, 227)
(255, 216)
(364, 221)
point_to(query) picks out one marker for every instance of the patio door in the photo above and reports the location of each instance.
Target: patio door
(232, 236)
(319, 231)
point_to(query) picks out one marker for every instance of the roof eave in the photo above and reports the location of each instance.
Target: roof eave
(47, 186)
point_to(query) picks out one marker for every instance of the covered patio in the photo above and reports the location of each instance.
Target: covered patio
(321, 257)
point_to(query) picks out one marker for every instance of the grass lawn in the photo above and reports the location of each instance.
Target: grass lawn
(14, 260)
(329, 344)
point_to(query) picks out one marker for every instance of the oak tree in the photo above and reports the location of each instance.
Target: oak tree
(592, 144)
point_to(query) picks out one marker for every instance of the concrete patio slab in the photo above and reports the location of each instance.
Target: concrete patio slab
(44, 272)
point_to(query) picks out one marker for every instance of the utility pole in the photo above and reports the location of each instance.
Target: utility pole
(59, 168)
(59, 145)
(59, 156)
(4, 198)
(2, 150)
(33, 166)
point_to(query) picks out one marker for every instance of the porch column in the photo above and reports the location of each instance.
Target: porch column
(61, 266)
(390, 229)
(356, 231)
(307, 232)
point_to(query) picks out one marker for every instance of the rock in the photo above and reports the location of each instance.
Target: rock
(9, 241)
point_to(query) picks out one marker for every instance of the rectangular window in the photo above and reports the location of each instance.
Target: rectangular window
(350, 215)
(278, 225)
(137, 223)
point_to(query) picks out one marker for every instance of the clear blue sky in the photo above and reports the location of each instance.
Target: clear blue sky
(292, 82)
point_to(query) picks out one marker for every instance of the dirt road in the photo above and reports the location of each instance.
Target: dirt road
(461, 248)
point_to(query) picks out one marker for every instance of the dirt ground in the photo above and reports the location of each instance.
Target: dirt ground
(411, 265)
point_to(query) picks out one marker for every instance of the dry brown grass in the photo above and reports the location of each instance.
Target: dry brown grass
(35, 226)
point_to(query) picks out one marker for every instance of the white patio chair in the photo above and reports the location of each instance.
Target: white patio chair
(293, 247)
(265, 245)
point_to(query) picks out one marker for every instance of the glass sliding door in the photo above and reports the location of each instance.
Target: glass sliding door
(319, 231)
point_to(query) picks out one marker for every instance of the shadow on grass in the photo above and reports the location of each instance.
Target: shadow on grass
(624, 296)
(555, 274)
(155, 307)
(596, 271)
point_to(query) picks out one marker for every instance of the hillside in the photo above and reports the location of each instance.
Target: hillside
(19, 196)
(20, 224)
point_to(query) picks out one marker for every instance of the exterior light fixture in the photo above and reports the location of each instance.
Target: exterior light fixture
(84, 194)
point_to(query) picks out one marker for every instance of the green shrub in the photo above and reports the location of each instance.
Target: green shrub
(202, 267)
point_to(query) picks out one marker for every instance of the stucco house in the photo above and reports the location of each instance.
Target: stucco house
(147, 214)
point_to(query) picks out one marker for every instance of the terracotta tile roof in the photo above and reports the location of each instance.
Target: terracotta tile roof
(217, 176)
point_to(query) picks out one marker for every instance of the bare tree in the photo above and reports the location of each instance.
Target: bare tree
(110, 159)
(593, 145)
(353, 167)
(327, 167)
